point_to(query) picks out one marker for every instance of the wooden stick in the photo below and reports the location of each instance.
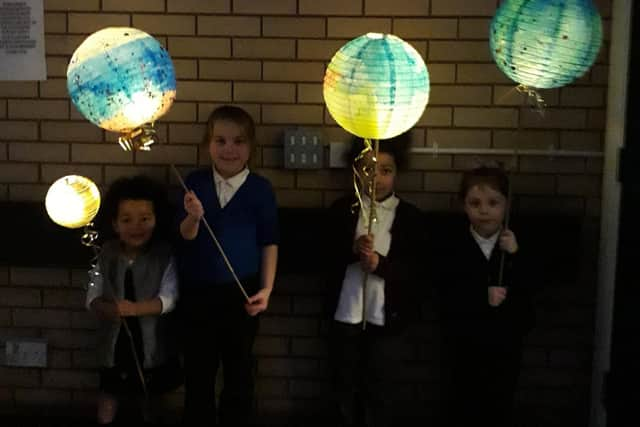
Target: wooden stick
(372, 215)
(215, 240)
(507, 216)
(135, 355)
(506, 226)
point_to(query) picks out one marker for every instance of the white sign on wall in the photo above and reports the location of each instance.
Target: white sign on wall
(22, 40)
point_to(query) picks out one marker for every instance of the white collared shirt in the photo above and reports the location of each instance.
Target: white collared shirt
(486, 244)
(227, 188)
(349, 308)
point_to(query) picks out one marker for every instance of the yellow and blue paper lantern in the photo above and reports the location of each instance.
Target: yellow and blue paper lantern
(72, 201)
(545, 43)
(121, 78)
(376, 86)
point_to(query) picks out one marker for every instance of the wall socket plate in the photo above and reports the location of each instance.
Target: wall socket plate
(303, 149)
(26, 352)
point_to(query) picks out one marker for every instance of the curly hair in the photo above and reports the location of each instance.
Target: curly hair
(138, 187)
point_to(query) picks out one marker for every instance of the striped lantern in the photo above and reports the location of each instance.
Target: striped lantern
(376, 86)
(72, 201)
(545, 43)
(121, 79)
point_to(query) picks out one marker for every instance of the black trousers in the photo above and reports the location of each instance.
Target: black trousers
(218, 331)
(480, 377)
(362, 364)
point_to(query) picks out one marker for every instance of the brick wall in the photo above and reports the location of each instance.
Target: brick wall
(269, 57)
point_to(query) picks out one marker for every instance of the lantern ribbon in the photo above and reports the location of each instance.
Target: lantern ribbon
(89, 238)
(364, 173)
(362, 169)
(139, 139)
(534, 96)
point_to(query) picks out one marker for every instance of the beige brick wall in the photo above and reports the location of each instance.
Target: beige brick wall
(269, 57)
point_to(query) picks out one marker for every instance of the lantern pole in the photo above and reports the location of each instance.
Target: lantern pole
(527, 94)
(215, 240)
(371, 220)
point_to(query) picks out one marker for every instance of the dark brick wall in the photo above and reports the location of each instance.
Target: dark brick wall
(39, 299)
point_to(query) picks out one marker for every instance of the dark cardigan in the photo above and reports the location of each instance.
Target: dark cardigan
(464, 274)
(400, 269)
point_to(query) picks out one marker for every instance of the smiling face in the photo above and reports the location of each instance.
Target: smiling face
(134, 224)
(485, 207)
(229, 148)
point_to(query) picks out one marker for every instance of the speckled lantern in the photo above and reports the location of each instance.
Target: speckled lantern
(376, 86)
(121, 79)
(545, 43)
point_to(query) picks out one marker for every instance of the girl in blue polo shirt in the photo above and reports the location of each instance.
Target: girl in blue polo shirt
(220, 324)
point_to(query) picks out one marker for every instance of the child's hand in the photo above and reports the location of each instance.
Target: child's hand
(106, 310)
(126, 308)
(369, 263)
(193, 206)
(258, 302)
(497, 294)
(363, 245)
(508, 242)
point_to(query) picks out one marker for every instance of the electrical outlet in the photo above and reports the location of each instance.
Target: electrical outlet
(29, 352)
(303, 149)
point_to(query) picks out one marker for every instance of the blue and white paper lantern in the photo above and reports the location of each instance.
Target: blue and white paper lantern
(545, 43)
(120, 78)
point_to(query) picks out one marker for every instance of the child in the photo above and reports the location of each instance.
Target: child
(220, 324)
(360, 357)
(484, 320)
(134, 281)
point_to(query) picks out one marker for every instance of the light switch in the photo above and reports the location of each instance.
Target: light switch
(303, 149)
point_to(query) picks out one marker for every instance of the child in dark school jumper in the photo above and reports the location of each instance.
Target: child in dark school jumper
(485, 313)
(360, 358)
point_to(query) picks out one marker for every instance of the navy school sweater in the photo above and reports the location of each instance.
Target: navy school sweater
(243, 227)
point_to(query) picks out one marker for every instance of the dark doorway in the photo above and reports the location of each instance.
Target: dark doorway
(622, 388)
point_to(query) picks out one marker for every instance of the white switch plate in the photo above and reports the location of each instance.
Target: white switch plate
(29, 352)
(303, 148)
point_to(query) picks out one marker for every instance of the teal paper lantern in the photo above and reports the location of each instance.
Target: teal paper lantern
(376, 86)
(545, 43)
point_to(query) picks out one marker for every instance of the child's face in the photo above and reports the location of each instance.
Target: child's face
(485, 207)
(229, 148)
(386, 171)
(135, 223)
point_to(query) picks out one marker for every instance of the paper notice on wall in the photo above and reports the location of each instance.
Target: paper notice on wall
(22, 54)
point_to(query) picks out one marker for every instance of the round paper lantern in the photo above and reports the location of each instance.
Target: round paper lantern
(545, 43)
(121, 78)
(376, 86)
(72, 201)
